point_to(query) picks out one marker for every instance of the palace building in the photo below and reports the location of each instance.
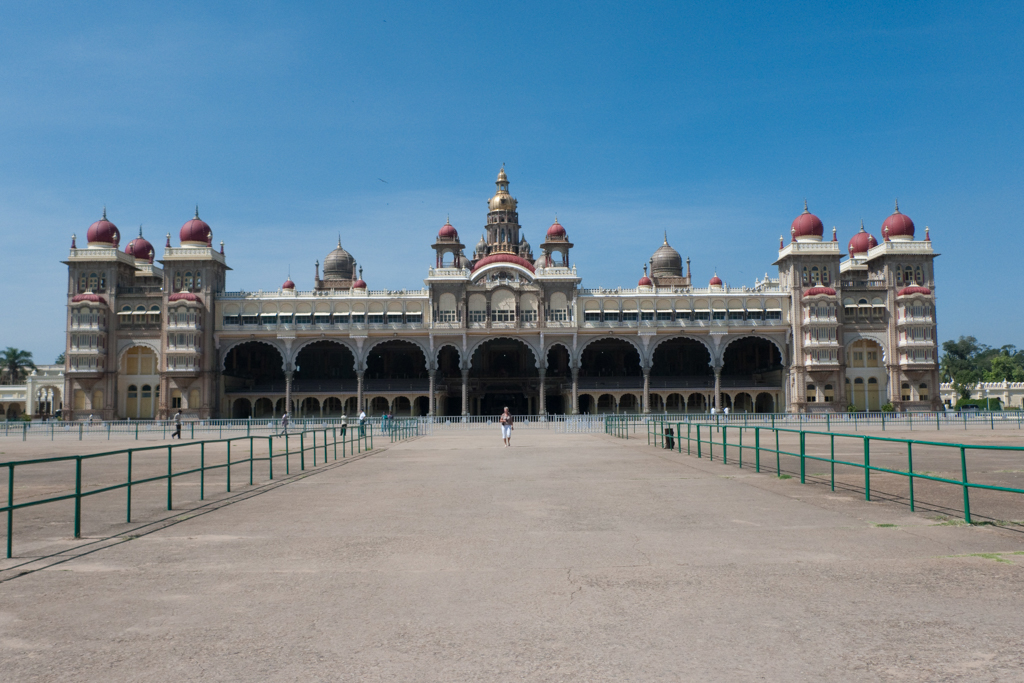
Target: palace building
(501, 325)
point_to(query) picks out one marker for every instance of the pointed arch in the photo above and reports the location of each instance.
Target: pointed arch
(239, 342)
(483, 340)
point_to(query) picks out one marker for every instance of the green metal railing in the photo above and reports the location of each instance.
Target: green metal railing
(704, 439)
(313, 444)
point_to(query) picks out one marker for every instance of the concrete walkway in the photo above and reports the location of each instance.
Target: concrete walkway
(565, 558)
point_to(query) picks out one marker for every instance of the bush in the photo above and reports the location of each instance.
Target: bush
(994, 403)
(888, 408)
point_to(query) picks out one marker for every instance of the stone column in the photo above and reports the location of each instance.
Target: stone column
(359, 391)
(288, 375)
(575, 391)
(718, 389)
(647, 390)
(541, 403)
(465, 391)
(431, 399)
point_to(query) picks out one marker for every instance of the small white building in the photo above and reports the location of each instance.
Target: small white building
(1010, 393)
(41, 394)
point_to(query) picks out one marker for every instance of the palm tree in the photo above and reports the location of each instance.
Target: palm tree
(15, 363)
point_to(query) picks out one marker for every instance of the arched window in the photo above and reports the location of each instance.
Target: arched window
(922, 392)
(824, 276)
(94, 282)
(814, 275)
(917, 276)
(82, 282)
(199, 280)
(908, 275)
(806, 280)
(103, 281)
(177, 281)
(812, 393)
(829, 393)
(899, 275)
(905, 392)
(188, 281)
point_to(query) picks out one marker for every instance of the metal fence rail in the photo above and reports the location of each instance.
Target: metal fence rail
(703, 439)
(315, 444)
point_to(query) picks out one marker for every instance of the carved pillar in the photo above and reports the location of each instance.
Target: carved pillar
(288, 375)
(575, 391)
(465, 391)
(431, 399)
(541, 404)
(647, 390)
(718, 389)
(359, 391)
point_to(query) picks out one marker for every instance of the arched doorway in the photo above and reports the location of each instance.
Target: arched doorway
(253, 366)
(324, 366)
(241, 409)
(764, 403)
(448, 380)
(503, 373)
(752, 361)
(138, 384)
(556, 380)
(865, 365)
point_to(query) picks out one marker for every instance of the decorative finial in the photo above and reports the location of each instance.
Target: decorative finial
(834, 239)
(168, 245)
(927, 237)
(780, 242)
(792, 232)
(74, 247)
(339, 240)
(104, 212)
(360, 272)
(222, 247)
(897, 205)
(645, 270)
(886, 231)
(140, 230)
(666, 238)
(862, 225)
(197, 212)
(806, 210)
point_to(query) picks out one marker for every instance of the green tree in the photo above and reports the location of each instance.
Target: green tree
(15, 364)
(60, 359)
(1004, 368)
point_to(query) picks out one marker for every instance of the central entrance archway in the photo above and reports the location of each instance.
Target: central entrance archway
(503, 372)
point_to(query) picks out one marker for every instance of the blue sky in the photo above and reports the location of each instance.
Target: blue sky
(711, 121)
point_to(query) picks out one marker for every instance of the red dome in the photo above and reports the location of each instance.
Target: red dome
(645, 282)
(715, 281)
(807, 225)
(898, 225)
(359, 284)
(92, 298)
(103, 232)
(814, 291)
(862, 241)
(556, 230)
(913, 289)
(288, 284)
(140, 248)
(196, 232)
(447, 232)
(184, 296)
(503, 258)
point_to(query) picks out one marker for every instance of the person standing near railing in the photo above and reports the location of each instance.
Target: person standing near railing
(344, 425)
(177, 426)
(362, 423)
(284, 422)
(506, 421)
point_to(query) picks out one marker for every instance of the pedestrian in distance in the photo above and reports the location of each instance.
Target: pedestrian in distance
(177, 426)
(506, 421)
(344, 425)
(362, 423)
(285, 419)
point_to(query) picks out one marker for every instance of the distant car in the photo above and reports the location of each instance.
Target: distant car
(969, 406)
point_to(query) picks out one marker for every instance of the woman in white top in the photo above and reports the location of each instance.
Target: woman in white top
(506, 427)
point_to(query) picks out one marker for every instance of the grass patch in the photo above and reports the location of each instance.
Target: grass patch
(885, 526)
(998, 557)
(785, 476)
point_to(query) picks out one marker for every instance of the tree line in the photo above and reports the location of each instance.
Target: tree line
(965, 362)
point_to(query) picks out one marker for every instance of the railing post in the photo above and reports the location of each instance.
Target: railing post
(78, 497)
(170, 500)
(910, 472)
(741, 447)
(228, 466)
(832, 458)
(725, 449)
(698, 440)
(202, 470)
(963, 473)
(270, 456)
(128, 488)
(10, 510)
(803, 460)
(302, 451)
(250, 461)
(867, 468)
(287, 456)
(757, 449)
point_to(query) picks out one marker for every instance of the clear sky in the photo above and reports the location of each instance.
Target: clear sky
(289, 123)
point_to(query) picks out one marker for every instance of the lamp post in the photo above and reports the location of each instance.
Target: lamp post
(987, 406)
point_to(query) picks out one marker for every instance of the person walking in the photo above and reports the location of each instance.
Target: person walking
(285, 419)
(506, 421)
(362, 423)
(177, 426)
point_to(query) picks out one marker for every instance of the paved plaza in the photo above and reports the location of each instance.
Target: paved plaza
(565, 558)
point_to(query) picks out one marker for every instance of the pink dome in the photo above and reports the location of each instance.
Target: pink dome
(140, 248)
(814, 291)
(862, 241)
(645, 282)
(91, 298)
(556, 230)
(103, 232)
(185, 296)
(288, 284)
(715, 281)
(196, 233)
(913, 289)
(503, 258)
(807, 225)
(447, 232)
(898, 225)
(359, 284)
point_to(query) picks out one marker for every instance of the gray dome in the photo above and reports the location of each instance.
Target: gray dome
(666, 261)
(339, 264)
